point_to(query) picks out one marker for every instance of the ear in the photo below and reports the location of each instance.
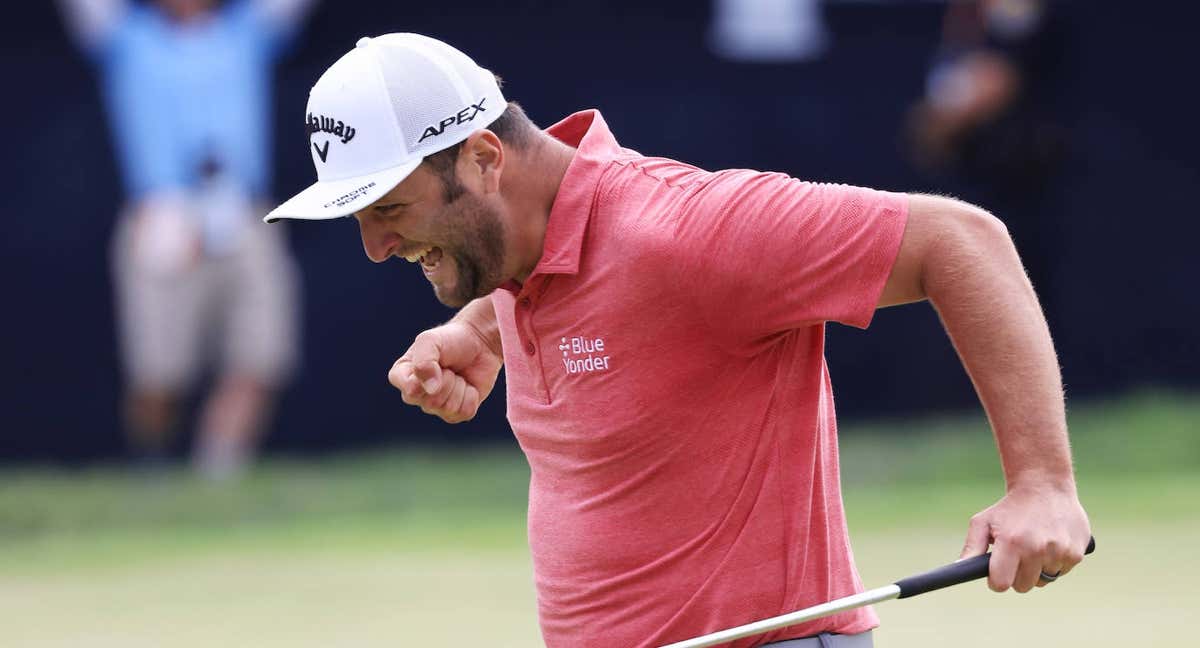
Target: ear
(483, 157)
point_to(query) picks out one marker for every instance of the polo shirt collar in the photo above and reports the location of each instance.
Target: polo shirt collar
(595, 149)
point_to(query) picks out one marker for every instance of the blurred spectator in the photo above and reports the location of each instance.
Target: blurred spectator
(988, 117)
(768, 31)
(200, 283)
(986, 108)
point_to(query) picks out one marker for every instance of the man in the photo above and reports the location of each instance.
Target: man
(662, 329)
(187, 87)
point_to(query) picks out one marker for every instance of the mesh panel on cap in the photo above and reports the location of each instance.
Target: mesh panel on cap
(424, 79)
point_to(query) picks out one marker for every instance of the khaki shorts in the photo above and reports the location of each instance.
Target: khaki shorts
(233, 313)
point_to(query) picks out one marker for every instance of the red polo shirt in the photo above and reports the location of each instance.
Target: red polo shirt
(666, 380)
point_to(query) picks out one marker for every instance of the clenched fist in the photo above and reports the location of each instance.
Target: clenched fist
(447, 371)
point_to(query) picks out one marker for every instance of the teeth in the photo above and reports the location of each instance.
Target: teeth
(416, 256)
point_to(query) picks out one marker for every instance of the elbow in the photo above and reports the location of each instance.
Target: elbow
(973, 246)
(950, 244)
(982, 222)
(980, 230)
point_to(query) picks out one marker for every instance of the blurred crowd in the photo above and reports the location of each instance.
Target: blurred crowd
(202, 286)
(208, 298)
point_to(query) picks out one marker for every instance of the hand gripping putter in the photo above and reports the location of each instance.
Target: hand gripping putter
(934, 579)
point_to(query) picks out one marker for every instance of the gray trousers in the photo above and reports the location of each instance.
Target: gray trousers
(826, 640)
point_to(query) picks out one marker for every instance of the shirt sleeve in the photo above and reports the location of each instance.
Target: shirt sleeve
(764, 253)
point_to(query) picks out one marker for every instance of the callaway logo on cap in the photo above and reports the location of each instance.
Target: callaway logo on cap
(321, 123)
(378, 111)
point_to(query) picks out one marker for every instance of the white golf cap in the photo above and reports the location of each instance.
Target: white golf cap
(379, 110)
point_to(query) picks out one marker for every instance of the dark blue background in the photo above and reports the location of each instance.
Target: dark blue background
(1120, 252)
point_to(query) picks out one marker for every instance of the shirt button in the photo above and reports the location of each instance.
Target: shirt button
(530, 349)
(524, 303)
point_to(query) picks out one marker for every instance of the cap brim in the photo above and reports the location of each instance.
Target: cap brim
(337, 198)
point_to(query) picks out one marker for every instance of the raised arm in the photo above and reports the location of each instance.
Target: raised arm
(962, 259)
(284, 13)
(91, 22)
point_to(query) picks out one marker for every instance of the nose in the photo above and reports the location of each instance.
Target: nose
(378, 242)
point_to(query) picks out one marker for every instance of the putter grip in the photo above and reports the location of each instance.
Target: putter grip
(953, 574)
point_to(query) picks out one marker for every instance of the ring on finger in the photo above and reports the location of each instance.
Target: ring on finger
(1050, 578)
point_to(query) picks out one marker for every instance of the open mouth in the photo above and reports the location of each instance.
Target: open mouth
(429, 258)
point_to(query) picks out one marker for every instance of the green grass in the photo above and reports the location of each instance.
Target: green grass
(395, 548)
(1151, 432)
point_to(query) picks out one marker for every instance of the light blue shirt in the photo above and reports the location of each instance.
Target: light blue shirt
(178, 94)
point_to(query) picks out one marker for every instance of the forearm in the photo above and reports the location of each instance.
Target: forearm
(285, 12)
(480, 315)
(977, 283)
(962, 259)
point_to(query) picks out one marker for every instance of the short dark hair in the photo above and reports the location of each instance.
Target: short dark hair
(513, 127)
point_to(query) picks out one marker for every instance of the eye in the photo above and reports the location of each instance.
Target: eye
(384, 212)
(392, 208)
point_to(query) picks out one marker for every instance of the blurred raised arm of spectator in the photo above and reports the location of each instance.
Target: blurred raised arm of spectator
(280, 19)
(285, 12)
(93, 22)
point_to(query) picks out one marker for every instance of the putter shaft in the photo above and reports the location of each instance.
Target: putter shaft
(954, 573)
(851, 602)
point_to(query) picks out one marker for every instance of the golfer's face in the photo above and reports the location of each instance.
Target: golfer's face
(459, 245)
